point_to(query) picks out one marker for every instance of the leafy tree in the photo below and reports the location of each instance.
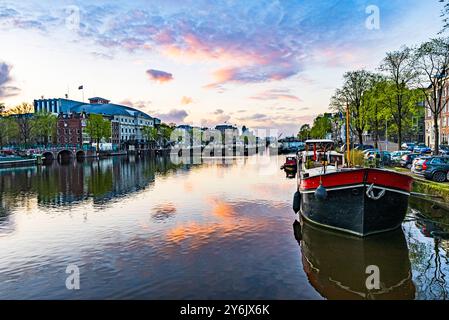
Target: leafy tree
(400, 71)
(150, 133)
(432, 64)
(351, 95)
(9, 130)
(98, 128)
(304, 132)
(322, 126)
(2, 108)
(165, 132)
(43, 126)
(22, 113)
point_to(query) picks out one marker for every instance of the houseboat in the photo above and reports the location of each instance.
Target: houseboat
(359, 201)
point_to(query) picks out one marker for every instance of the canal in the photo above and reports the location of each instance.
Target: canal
(140, 228)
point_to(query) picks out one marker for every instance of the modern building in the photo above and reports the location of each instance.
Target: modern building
(126, 122)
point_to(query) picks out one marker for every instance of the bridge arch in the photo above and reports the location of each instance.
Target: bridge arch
(49, 157)
(80, 155)
(64, 155)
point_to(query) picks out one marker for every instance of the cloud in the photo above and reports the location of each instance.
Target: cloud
(186, 100)
(218, 111)
(6, 90)
(253, 41)
(159, 76)
(276, 94)
(174, 115)
(140, 104)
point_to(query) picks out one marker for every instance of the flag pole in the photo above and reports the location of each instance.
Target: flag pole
(348, 141)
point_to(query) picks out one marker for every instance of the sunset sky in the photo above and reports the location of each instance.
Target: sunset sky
(263, 64)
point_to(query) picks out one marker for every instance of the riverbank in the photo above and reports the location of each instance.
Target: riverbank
(14, 162)
(422, 185)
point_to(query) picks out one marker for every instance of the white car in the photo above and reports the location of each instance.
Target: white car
(397, 155)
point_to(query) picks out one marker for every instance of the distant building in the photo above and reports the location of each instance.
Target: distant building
(70, 128)
(225, 127)
(126, 122)
(443, 123)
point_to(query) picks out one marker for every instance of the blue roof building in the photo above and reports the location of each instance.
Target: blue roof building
(127, 121)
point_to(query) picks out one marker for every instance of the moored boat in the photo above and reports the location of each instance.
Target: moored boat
(290, 164)
(322, 250)
(360, 201)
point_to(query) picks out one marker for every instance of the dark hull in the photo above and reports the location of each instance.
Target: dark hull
(336, 264)
(348, 208)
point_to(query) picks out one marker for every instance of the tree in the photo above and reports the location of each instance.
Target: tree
(445, 15)
(432, 64)
(322, 126)
(9, 130)
(98, 128)
(351, 95)
(23, 114)
(304, 132)
(400, 71)
(165, 132)
(150, 133)
(2, 108)
(43, 126)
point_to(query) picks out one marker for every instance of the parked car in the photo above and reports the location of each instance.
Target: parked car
(397, 155)
(422, 148)
(437, 169)
(363, 147)
(409, 146)
(407, 160)
(444, 150)
(418, 165)
(369, 152)
(384, 156)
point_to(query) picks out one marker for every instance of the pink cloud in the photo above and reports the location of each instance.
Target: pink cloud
(186, 100)
(159, 76)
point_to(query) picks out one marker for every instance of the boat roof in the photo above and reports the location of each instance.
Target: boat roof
(320, 141)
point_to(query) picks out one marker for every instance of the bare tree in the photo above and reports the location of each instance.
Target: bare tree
(432, 64)
(399, 70)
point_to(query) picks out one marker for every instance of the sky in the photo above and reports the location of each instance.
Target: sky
(264, 64)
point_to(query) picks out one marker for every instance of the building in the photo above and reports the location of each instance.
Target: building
(70, 129)
(443, 122)
(126, 122)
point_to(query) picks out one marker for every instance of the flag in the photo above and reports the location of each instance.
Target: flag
(80, 87)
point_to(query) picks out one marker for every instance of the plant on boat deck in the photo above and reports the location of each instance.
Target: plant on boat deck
(357, 158)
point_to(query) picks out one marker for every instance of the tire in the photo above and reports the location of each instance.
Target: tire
(439, 176)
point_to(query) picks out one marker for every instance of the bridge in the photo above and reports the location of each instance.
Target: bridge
(62, 152)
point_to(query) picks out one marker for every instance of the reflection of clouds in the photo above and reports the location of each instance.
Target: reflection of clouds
(230, 223)
(163, 211)
(221, 209)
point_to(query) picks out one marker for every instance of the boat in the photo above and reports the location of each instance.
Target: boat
(290, 164)
(336, 264)
(359, 201)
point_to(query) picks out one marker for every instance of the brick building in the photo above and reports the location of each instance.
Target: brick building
(70, 128)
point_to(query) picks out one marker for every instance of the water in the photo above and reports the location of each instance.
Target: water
(148, 229)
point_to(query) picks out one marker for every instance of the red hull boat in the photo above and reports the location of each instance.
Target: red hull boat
(360, 201)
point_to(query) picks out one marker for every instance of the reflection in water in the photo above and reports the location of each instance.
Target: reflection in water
(148, 229)
(336, 264)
